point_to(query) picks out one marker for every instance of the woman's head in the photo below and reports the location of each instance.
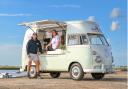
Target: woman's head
(54, 33)
(34, 36)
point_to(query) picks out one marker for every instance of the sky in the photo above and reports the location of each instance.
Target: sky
(111, 15)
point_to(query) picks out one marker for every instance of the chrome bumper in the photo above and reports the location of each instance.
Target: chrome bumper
(102, 69)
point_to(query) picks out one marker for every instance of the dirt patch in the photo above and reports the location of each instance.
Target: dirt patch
(110, 81)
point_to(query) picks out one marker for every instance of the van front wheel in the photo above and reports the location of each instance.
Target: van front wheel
(76, 72)
(98, 75)
(55, 74)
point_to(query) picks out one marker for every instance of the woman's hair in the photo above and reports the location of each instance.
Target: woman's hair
(55, 31)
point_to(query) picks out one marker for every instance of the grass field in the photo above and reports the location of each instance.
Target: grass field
(9, 67)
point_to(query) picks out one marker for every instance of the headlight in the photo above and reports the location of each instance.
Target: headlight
(98, 59)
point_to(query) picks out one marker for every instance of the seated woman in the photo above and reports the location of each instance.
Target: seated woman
(54, 43)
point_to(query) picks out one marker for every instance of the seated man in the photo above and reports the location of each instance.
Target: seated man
(62, 43)
(54, 43)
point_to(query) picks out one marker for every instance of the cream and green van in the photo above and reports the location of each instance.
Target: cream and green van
(84, 50)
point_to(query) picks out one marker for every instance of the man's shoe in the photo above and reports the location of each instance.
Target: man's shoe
(39, 77)
(28, 75)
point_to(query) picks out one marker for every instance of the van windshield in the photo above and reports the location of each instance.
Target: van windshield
(97, 39)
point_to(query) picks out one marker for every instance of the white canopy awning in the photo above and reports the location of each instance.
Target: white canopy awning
(44, 24)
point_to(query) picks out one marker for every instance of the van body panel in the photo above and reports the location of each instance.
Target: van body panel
(83, 53)
(104, 54)
(83, 28)
(80, 54)
(61, 62)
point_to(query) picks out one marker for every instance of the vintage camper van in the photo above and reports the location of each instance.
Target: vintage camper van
(84, 50)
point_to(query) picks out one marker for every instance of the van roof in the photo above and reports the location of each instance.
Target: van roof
(40, 22)
(75, 26)
(44, 24)
(53, 22)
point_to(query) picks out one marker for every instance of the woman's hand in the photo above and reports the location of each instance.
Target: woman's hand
(46, 48)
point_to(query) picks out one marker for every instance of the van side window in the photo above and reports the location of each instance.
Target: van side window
(83, 39)
(73, 40)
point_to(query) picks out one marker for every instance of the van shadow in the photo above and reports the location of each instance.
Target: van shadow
(107, 79)
(91, 79)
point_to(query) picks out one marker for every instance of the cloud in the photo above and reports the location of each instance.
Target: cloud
(14, 15)
(115, 25)
(116, 13)
(91, 18)
(65, 6)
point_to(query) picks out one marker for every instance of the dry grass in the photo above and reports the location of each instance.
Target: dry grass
(111, 81)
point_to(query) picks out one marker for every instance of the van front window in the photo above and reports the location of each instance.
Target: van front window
(97, 39)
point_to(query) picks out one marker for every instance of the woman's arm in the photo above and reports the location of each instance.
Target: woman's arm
(48, 45)
(58, 40)
(58, 44)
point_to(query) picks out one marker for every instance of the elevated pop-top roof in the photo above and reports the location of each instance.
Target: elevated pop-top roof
(43, 24)
(75, 26)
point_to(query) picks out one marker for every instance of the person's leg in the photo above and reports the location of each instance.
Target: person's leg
(29, 66)
(37, 65)
(37, 62)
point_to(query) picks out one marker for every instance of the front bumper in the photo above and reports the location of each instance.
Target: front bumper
(101, 69)
(94, 70)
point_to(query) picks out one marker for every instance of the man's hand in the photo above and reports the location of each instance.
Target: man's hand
(39, 53)
(28, 55)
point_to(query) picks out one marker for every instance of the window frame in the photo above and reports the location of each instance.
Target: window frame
(101, 39)
(81, 39)
(78, 36)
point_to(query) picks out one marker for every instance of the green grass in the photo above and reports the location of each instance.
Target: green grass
(122, 68)
(9, 67)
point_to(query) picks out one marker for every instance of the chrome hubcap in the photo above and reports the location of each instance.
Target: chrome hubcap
(75, 71)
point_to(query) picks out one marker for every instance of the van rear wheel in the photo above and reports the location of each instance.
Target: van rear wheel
(98, 76)
(55, 74)
(76, 71)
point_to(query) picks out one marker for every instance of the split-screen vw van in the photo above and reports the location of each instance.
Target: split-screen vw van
(85, 49)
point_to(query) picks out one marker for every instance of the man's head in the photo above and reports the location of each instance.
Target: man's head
(34, 36)
(54, 33)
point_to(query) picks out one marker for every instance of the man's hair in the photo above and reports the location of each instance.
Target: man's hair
(34, 34)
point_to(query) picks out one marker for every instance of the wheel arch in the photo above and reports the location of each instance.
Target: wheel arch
(71, 64)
